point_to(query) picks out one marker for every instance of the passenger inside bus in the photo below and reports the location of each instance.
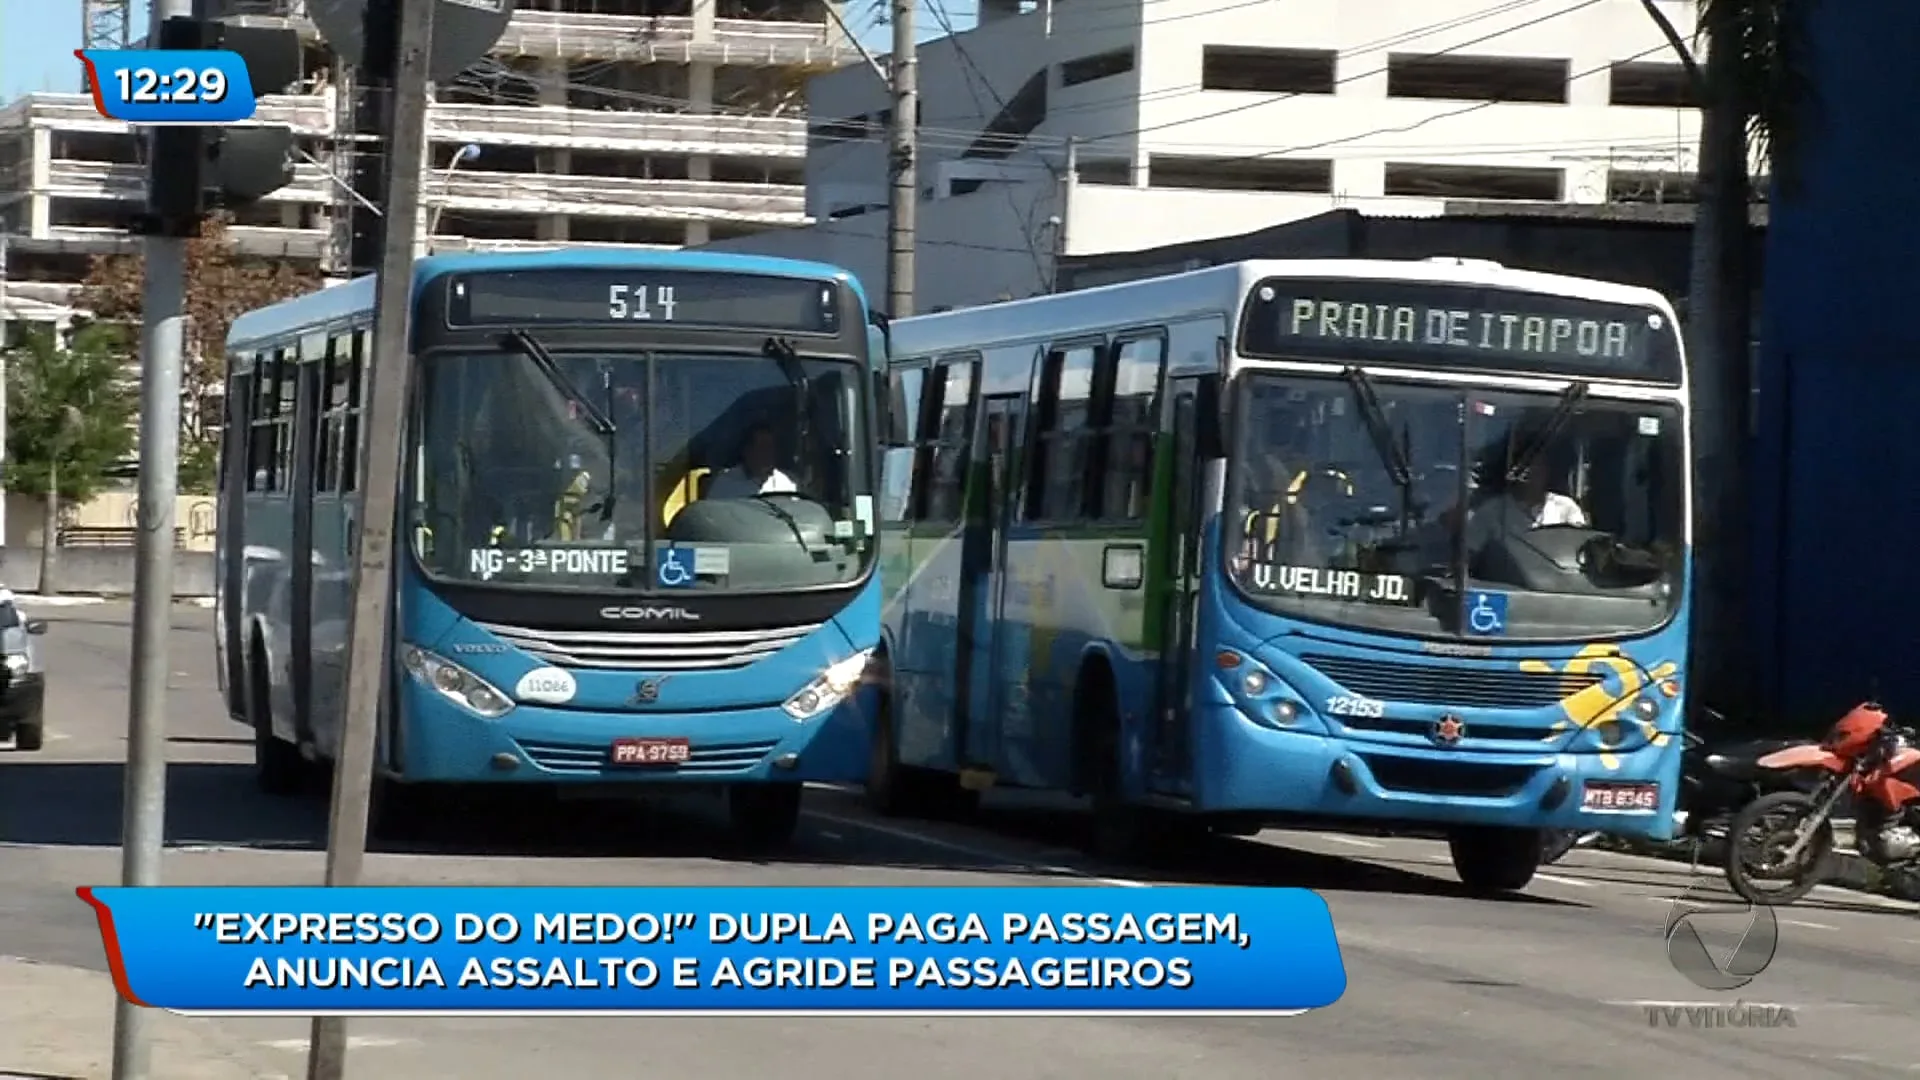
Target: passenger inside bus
(1527, 503)
(756, 473)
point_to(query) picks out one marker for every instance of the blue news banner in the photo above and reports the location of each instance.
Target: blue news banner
(308, 951)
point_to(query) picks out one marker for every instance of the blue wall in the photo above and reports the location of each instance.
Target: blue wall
(1836, 590)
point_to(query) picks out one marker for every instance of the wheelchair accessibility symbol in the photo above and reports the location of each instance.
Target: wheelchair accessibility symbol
(1486, 613)
(673, 567)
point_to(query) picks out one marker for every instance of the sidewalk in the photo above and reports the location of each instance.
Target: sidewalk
(84, 599)
(56, 1023)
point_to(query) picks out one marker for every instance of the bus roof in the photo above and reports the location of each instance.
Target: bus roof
(348, 299)
(1221, 289)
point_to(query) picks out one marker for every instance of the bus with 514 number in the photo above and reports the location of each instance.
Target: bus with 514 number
(636, 546)
(1398, 546)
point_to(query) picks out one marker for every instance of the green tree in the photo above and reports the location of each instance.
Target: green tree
(70, 411)
(221, 286)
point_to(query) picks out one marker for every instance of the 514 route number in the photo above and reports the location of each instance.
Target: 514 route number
(1348, 705)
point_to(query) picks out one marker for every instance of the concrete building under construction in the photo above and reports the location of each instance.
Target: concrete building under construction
(633, 122)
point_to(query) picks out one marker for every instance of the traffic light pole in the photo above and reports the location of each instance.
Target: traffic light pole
(383, 420)
(144, 809)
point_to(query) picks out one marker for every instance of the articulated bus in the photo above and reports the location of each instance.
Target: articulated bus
(636, 542)
(1389, 546)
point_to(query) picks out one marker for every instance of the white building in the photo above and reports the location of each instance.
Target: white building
(631, 122)
(1189, 119)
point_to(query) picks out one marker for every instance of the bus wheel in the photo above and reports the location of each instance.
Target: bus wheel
(397, 810)
(1495, 860)
(1119, 830)
(278, 768)
(893, 789)
(764, 816)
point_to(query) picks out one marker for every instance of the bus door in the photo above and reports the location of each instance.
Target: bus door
(236, 450)
(309, 372)
(983, 638)
(1180, 598)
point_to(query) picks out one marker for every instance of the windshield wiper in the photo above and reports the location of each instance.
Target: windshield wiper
(782, 352)
(529, 346)
(1521, 463)
(1380, 430)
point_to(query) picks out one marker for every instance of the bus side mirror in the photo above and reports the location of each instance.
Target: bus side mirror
(1212, 418)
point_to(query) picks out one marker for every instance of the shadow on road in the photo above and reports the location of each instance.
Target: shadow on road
(217, 805)
(1222, 860)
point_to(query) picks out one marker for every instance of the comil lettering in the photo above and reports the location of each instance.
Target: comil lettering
(1453, 328)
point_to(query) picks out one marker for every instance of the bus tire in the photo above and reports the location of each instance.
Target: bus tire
(397, 810)
(278, 768)
(1493, 860)
(893, 789)
(1118, 830)
(764, 817)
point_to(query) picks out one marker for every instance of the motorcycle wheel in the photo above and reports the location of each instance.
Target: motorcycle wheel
(1760, 833)
(1556, 844)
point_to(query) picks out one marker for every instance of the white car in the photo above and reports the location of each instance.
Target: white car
(23, 680)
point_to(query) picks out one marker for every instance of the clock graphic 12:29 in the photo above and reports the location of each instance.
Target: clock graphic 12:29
(169, 86)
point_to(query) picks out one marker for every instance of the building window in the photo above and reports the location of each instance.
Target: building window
(1098, 66)
(1267, 71)
(1478, 78)
(1475, 182)
(1310, 175)
(1654, 86)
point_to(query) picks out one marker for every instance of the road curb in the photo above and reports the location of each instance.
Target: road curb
(75, 600)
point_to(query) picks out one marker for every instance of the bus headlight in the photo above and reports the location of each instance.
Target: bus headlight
(830, 688)
(455, 683)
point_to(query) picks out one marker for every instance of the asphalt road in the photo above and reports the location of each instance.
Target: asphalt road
(1440, 986)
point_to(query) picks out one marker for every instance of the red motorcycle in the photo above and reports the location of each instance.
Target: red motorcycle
(1779, 845)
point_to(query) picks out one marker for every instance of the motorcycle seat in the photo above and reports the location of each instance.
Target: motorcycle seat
(1740, 760)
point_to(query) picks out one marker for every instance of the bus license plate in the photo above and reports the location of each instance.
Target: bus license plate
(1632, 798)
(652, 751)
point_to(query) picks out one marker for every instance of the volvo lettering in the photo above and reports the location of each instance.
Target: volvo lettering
(619, 465)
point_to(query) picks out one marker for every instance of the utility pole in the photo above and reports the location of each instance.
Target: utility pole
(1069, 179)
(902, 162)
(4, 341)
(144, 804)
(409, 29)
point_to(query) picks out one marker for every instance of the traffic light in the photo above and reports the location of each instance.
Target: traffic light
(195, 170)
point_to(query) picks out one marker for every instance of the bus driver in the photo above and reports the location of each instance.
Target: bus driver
(755, 474)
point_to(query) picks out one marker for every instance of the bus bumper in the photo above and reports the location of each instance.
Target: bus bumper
(1249, 767)
(537, 745)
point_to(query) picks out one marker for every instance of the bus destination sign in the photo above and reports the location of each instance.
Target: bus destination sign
(695, 299)
(1432, 323)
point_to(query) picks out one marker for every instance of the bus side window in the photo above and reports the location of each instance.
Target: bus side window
(260, 441)
(948, 431)
(286, 381)
(355, 379)
(332, 405)
(1132, 402)
(904, 391)
(1058, 490)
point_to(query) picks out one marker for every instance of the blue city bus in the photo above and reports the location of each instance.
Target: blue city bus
(1390, 546)
(596, 580)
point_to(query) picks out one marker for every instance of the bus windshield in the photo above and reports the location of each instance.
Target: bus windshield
(641, 471)
(1437, 511)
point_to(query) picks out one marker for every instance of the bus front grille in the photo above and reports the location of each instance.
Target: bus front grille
(705, 650)
(1433, 684)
